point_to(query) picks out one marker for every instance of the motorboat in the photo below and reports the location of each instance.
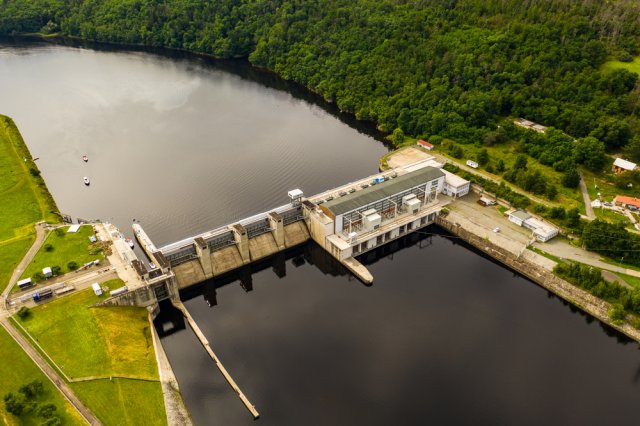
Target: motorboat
(85, 158)
(129, 241)
(86, 180)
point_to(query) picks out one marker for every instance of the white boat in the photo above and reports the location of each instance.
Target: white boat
(129, 241)
(86, 180)
(85, 158)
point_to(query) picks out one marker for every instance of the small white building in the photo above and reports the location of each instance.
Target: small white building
(47, 272)
(454, 185)
(621, 166)
(541, 231)
(96, 289)
(518, 217)
(424, 144)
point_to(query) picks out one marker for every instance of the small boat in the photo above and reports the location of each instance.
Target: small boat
(85, 158)
(152, 265)
(129, 241)
(86, 180)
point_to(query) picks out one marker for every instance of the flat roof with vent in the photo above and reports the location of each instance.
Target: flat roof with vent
(382, 190)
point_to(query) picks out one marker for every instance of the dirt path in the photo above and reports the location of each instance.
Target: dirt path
(585, 196)
(49, 372)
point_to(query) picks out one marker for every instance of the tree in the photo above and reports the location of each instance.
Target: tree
(590, 152)
(573, 218)
(456, 151)
(14, 403)
(397, 137)
(483, 157)
(72, 265)
(38, 276)
(46, 411)
(571, 178)
(24, 313)
(632, 150)
(617, 314)
(500, 166)
(31, 389)
(520, 163)
(56, 270)
(48, 248)
(552, 192)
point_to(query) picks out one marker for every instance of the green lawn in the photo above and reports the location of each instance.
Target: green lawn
(107, 341)
(123, 401)
(629, 66)
(631, 280)
(24, 198)
(11, 253)
(507, 152)
(66, 247)
(87, 341)
(17, 369)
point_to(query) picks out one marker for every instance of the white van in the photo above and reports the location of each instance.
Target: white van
(472, 163)
(96, 289)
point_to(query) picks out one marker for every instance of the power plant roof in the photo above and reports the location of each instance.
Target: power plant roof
(382, 190)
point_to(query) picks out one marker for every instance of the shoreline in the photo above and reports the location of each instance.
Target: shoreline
(546, 279)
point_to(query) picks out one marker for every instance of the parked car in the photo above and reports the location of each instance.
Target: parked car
(472, 164)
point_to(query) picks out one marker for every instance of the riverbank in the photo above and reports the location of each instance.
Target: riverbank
(529, 264)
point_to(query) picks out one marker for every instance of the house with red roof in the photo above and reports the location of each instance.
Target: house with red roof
(622, 200)
(425, 144)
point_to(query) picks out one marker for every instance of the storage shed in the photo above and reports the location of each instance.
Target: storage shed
(47, 272)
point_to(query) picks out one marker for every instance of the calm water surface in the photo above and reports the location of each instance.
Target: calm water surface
(444, 336)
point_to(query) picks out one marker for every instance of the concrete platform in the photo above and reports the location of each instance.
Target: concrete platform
(358, 269)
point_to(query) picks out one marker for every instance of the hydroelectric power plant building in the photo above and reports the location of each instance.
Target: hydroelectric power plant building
(365, 218)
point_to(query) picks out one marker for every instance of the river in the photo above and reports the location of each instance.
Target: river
(444, 335)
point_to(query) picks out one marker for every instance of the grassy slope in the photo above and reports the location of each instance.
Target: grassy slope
(11, 253)
(86, 341)
(123, 402)
(68, 247)
(18, 370)
(567, 197)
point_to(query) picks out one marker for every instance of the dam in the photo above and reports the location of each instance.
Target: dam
(346, 221)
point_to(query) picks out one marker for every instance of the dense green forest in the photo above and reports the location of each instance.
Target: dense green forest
(429, 67)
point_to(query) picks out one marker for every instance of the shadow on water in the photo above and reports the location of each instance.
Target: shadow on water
(311, 253)
(240, 67)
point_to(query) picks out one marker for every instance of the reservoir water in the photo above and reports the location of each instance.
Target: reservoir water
(443, 336)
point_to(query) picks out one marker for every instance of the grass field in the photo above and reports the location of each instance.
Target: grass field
(66, 247)
(24, 198)
(102, 342)
(11, 252)
(18, 369)
(506, 152)
(629, 66)
(123, 401)
(631, 280)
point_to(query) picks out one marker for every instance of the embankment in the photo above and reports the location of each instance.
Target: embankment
(541, 276)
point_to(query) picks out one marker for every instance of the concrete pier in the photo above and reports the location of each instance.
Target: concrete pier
(214, 357)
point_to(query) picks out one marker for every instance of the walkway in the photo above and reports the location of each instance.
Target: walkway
(40, 236)
(585, 196)
(562, 249)
(51, 374)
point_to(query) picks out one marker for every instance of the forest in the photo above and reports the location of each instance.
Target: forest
(449, 68)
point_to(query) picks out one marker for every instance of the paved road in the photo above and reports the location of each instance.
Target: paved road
(51, 374)
(562, 249)
(40, 236)
(585, 196)
(57, 381)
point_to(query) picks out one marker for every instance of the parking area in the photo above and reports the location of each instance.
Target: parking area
(484, 221)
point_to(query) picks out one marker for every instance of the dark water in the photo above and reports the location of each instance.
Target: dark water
(444, 336)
